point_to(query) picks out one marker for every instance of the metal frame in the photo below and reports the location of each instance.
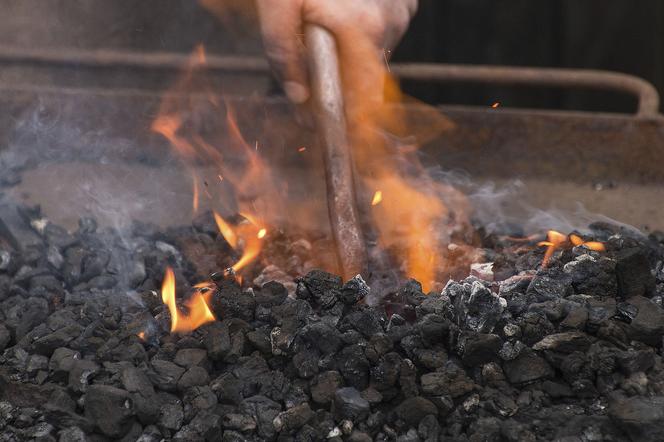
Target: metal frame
(645, 92)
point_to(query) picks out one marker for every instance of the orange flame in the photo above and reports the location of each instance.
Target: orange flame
(246, 236)
(197, 305)
(556, 240)
(141, 335)
(377, 198)
(255, 192)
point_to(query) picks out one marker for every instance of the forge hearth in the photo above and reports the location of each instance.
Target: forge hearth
(522, 352)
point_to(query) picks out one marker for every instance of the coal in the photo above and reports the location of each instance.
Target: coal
(571, 350)
(109, 408)
(633, 273)
(349, 404)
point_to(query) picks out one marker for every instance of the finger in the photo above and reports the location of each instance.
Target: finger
(281, 28)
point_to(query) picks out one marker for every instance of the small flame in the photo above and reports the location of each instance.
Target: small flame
(377, 198)
(495, 105)
(199, 311)
(246, 236)
(302, 149)
(141, 335)
(226, 230)
(556, 240)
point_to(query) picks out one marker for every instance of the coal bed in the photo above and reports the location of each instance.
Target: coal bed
(517, 351)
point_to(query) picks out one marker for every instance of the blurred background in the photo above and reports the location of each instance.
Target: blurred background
(620, 35)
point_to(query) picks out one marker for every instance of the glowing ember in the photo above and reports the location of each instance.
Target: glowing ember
(197, 305)
(261, 233)
(377, 198)
(302, 149)
(556, 240)
(495, 105)
(141, 335)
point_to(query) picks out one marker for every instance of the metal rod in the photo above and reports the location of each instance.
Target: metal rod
(646, 93)
(327, 95)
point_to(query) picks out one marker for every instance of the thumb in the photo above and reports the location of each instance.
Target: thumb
(281, 28)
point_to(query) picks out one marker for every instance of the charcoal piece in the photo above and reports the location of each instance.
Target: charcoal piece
(354, 366)
(592, 276)
(190, 357)
(477, 308)
(271, 294)
(633, 274)
(600, 312)
(322, 336)
(640, 418)
(135, 380)
(260, 341)
(292, 314)
(354, 291)
(429, 429)
(35, 364)
(365, 320)
(433, 329)
(239, 422)
(324, 386)
(16, 229)
(453, 382)
(557, 390)
(318, 282)
(207, 424)
(379, 344)
(165, 374)
(171, 415)
(72, 434)
(359, 436)
(436, 304)
(430, 359)
(408, 378)
(386, 373)
(306, 363)
(564, 342)
(26, 315)
(293, 419)
(576, 319)
(527, 367)
(545, 288)
(58, 236)
(349, 404)
(511, 350)
(61, 362)
(109, 408)
(200, 398)
(414, 409)
(634, 361)
(648, 325)
(263, 410)
(228, 389)
(195, 376)
(217, 340)
(233, 303)
(534, 327)
(81, 374)
(5, 337)
(479, 348)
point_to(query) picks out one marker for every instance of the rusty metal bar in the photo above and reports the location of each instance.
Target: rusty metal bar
(645, 92)
(328, 100)
(647, 95)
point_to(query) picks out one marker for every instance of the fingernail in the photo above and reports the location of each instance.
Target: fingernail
(295, 92)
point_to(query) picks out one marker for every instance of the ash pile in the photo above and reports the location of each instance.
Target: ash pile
(516, 352)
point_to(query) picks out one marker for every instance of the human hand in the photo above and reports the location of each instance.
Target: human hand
(365, 30)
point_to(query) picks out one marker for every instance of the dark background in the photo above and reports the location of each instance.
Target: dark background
(621, 35)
